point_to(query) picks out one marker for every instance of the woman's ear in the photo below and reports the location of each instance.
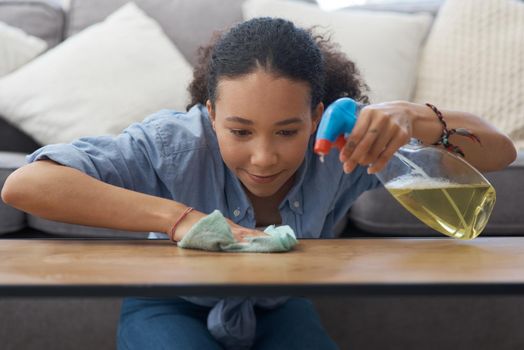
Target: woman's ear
(211, 112)
(317, 115)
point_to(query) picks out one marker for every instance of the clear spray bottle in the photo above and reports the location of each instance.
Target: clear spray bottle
(441, 189)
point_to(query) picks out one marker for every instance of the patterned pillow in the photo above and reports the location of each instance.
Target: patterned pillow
(474, 61)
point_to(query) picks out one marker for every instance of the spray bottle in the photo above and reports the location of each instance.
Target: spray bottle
(441, 189)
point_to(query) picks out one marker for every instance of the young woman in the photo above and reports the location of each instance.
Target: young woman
(244, 147)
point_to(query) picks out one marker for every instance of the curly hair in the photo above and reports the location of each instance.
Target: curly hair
(281, 48)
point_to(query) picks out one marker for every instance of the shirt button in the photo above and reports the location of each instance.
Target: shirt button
(236, 212)
(296, 204)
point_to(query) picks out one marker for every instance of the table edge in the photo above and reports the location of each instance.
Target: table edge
(366, 289)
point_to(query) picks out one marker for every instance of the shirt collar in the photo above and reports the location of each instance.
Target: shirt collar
(239, 204)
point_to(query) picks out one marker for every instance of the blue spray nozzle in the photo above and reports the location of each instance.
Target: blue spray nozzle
(337, 121)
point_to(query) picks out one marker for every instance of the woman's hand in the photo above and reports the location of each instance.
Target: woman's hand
(242, 233)
(381, 129)
(239, 232)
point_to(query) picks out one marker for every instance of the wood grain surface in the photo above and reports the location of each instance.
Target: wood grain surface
(315, 262)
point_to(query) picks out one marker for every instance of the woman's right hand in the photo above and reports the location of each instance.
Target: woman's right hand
(241, 233)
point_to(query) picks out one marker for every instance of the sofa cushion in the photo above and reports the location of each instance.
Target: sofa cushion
(378, 213)
(188, 23)
(41, 18)
(11, 219)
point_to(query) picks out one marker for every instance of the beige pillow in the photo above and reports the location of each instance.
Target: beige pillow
(98, 81)
(384, 45)
(474, 61)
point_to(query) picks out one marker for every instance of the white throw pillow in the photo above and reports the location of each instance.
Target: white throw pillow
(385, 46)
(474, 61)
(97, 82)
(17, 48)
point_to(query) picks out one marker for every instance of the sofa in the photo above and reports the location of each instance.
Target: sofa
(356, 322)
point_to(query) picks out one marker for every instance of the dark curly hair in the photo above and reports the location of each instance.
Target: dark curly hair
(279, 47)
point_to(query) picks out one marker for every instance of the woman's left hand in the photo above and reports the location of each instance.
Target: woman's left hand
(381, 129)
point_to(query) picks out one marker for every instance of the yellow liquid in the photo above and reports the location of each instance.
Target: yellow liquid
(456, 210)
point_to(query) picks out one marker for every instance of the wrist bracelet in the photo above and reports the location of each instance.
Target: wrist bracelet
(180, 218)
(446, 133)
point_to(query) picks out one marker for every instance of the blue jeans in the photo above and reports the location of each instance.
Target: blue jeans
(147, 323)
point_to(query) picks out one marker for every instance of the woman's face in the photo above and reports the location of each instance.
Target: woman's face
(263, 124)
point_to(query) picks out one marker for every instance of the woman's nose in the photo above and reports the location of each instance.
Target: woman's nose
(263, 155)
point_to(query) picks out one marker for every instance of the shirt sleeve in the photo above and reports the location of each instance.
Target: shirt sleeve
(130, 160)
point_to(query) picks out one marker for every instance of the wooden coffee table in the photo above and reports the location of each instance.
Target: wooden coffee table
(103, 268)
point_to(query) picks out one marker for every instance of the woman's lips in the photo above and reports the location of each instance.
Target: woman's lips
(262, 179)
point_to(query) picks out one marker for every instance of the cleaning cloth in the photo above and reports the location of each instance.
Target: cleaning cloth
(213, 233)
(232, 321)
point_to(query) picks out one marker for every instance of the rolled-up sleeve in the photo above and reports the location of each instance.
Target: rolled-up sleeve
(131, 160)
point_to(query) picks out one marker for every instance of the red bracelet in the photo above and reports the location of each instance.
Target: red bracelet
(180, 218)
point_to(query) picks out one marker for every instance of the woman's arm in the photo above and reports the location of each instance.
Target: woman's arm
(60, 193)
(383, 128)
(55, 192)
(495, 151)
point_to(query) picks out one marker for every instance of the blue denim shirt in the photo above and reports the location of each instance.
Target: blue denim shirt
(175, 155)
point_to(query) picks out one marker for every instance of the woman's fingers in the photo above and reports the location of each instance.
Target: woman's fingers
(242, 234)
(355, 137)
(378, 133)
(380, 144)
(368, 138)
(374, 133)
(400, 139)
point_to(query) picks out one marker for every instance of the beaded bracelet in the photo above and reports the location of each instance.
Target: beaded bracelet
(180, 218)
(446, 133)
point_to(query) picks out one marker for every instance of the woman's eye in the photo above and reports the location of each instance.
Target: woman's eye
(240, 132)
(287, 132)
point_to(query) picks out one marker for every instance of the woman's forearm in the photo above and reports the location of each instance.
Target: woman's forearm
(494, 152)
(60, 193)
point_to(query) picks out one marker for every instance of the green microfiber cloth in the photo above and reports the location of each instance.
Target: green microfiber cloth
(213, 233)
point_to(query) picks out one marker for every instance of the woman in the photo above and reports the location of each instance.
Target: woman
(244, 147)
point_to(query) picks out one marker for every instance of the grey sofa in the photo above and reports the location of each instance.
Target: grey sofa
(363, 322)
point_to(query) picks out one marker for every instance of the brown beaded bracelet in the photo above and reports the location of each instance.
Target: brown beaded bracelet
(180, 218)
(446, 133)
